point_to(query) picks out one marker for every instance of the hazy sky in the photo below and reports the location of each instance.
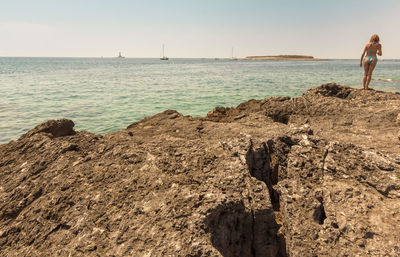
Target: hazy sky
(201, 28)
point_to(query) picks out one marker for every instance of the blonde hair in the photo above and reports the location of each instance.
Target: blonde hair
(374, 39)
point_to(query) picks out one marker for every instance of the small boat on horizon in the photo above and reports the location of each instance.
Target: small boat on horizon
(164, 58)
(232, 57)
(120, 56)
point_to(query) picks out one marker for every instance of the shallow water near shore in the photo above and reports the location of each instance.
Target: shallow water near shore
(103, 95)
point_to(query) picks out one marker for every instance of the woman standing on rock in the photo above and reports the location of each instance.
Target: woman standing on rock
(370, 59)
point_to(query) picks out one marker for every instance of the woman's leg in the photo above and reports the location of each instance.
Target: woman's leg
(366, 68)
(370, 70)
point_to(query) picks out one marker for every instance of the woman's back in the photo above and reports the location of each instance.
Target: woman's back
(372, 49)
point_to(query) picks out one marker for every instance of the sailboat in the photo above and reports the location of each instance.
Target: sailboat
(233, 58)
(120, 56)
(163, 55)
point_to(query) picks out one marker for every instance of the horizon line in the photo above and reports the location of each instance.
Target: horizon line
(125, 57)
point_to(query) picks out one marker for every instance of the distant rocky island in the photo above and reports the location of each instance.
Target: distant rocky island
(315, 175)
(282, 57)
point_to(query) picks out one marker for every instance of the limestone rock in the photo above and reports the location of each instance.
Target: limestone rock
(316, 175)
(54, 128)
(398, 119)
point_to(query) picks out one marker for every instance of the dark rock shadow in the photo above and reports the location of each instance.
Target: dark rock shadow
(263, 167)
(280, 116)
(237, 231)
(334, 90)
(259, 165)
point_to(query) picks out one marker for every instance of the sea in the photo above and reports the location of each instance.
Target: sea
(107, 94)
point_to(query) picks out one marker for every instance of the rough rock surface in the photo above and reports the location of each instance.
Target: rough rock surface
(316, 175)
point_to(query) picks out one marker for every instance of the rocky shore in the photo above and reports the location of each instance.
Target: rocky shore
(316, 175)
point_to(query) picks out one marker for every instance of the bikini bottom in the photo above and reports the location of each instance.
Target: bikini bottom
(371, 59)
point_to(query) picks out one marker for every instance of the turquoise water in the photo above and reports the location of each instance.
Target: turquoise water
(103, 95)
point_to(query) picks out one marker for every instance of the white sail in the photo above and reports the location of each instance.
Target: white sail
(163, 55)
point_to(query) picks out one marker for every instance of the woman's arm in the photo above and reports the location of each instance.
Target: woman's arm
(362, 55)
(379, 52)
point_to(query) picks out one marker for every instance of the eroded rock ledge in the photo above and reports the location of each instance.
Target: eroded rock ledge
(316, 175)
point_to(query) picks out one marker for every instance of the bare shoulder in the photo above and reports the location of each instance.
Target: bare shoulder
(379, 46)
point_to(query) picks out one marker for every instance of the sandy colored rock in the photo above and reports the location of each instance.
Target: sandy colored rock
(316, 175)
(398, 119)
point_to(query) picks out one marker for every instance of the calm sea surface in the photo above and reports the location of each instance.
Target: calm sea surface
(103, 95)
